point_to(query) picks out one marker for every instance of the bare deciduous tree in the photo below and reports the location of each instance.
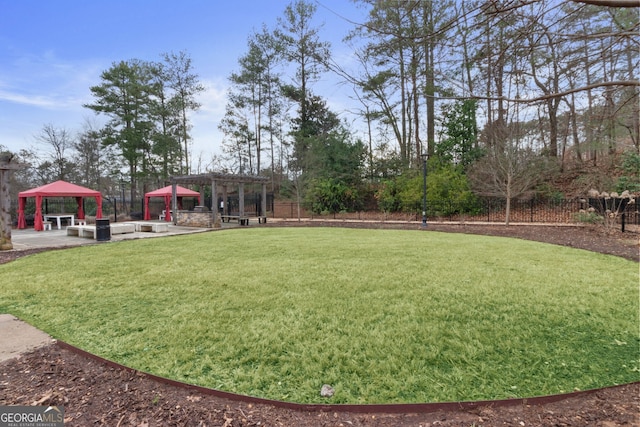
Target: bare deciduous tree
(509, 172)
(58, 141)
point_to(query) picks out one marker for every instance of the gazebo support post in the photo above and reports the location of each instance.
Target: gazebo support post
(214, 204)
(241, 199)
(225, 205)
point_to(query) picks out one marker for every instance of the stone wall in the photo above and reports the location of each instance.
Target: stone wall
(195, 219)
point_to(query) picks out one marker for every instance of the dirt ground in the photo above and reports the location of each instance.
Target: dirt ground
(94, 393)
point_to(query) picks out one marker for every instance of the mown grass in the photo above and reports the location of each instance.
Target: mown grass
(381, 315)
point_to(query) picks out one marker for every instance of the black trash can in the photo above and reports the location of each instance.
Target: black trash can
(103, 230)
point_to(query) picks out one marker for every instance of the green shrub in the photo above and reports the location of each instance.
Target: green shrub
(331, 196)
(547, 192)
(588, 217)
(449, 184)
(387, 196)
(631, 168)
(448, 193)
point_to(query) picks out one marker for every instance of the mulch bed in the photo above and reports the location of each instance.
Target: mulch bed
(99, 394)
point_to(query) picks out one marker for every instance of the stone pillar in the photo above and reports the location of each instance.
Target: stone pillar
(241, 199)
(225, 205)
(6, 167)
(174, 202)
(214, 205)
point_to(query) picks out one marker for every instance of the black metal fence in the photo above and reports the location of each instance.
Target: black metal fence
(533, 211)
(563, 211)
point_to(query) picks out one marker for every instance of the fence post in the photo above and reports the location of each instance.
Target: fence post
(531, 210)
(623, 220)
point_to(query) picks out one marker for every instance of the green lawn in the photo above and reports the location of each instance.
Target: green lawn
(381, 315)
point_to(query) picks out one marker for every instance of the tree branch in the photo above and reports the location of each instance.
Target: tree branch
(611, 3)
(548, 96)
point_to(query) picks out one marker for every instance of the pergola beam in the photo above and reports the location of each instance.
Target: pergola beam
(207, 178)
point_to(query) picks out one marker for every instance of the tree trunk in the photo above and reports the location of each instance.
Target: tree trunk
(5, 205)
(430, 76)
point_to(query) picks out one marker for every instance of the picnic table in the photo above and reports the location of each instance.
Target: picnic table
(58, 217)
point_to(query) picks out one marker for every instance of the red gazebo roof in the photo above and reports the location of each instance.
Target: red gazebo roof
(60, 189)
(167, 191)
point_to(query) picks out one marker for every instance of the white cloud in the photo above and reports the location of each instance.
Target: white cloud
(206, 137)
(46, 81)
(32, 100)
(214, 97)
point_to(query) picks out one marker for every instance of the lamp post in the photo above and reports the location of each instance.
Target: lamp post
(424, 156)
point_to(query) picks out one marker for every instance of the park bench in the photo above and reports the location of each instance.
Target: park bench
(151, 227)
(89, 231)
(122, 228)
(242, 220)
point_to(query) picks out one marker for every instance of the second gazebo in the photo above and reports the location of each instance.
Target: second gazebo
(166, 193)
(222, 181)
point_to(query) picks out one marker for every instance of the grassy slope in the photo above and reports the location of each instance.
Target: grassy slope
(382, 315)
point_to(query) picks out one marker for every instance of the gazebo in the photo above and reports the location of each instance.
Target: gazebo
(56, 189)
(166, 194)
(223, 180)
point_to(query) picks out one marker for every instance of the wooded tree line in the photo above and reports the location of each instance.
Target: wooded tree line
(500, 93)
(145, 138)
(497, 94)
(146, 104)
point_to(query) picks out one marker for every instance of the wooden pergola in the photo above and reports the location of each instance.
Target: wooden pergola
(222, 180)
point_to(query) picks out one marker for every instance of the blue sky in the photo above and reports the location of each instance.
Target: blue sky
(52, 52)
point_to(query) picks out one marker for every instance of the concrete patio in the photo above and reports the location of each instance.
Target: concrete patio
(29, 238)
